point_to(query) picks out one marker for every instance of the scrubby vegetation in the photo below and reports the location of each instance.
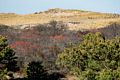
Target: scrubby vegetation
(39, 46)
(95, 58)
(8, 66)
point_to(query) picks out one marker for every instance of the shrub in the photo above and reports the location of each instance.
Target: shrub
(53, 28)
(36, 71)
(111, 30)
(7, 58)
(95, 58)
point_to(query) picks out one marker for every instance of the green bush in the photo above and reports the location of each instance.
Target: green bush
(8, 61)
(95, 58)
(36, 71)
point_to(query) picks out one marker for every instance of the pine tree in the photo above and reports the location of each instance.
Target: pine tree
(36, 71)
(8, 60)
(95, 58)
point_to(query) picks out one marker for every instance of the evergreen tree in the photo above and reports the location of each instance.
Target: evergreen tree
(35, 71)
(7, 58)
(95, 58)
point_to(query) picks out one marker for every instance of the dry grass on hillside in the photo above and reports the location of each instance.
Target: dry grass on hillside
(87, 20)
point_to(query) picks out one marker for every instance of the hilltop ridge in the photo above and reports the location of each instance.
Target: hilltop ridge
(75, 19)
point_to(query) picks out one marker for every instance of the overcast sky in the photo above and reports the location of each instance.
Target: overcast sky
(31, 6)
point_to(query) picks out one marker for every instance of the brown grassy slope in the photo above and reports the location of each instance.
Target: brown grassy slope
(86, 19)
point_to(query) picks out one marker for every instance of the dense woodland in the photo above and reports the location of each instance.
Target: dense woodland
(50, 51)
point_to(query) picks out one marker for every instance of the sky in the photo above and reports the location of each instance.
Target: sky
(31, 6)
